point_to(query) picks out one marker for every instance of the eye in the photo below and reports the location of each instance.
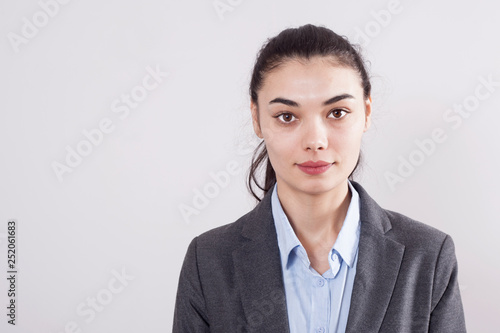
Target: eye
(285, 117)
(337, 113)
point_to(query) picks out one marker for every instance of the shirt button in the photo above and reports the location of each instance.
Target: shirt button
(320, 330)
(320, 282)
(335, 257)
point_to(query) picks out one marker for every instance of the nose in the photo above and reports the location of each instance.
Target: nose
(315, 136)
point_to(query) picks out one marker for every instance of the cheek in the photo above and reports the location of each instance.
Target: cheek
(281, 152)
(280, 142)
(347, 141)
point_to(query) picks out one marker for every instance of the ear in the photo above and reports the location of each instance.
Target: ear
(368, 113)
(255, 119)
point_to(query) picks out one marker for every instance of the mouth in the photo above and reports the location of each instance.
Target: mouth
(315, 168)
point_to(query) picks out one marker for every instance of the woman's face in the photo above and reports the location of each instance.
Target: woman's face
(311, 110)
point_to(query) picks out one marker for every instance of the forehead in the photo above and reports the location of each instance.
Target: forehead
(316, 77)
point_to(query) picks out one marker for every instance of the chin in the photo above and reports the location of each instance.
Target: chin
(318, 186)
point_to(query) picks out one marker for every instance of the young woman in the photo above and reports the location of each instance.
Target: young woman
(317, 254)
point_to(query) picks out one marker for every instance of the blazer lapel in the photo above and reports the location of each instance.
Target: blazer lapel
(258, 273)
(379, 259)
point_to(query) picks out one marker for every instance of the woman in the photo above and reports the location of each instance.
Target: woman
(317, 254)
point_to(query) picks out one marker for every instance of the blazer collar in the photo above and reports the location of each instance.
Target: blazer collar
(261, 217)
(260, 278)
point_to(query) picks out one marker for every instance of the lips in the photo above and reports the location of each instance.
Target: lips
(314, 168)
(314, 164)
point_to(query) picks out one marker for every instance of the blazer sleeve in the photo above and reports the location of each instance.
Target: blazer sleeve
(190, 308)
(447, 313)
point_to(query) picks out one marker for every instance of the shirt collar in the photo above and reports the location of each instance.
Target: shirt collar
(347, 241)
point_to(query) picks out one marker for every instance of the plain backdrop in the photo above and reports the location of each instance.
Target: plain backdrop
(163, 157)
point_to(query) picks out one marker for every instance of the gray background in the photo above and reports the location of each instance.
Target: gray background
(120, 208)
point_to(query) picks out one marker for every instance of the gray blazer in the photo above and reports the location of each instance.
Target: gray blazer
(406, 281)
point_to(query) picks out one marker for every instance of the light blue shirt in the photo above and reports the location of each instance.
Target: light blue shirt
(318, 303)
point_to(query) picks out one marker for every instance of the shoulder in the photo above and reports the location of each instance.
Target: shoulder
(422, 260)
(429, 253)
(223, 237)
(257, 224)
(413, 233)
(426, 248)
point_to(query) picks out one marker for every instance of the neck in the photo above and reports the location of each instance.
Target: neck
(316, 218)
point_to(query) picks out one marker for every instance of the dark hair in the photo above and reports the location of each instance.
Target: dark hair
(299, 43)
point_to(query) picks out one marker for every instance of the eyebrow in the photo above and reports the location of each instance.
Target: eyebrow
(325, 103)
